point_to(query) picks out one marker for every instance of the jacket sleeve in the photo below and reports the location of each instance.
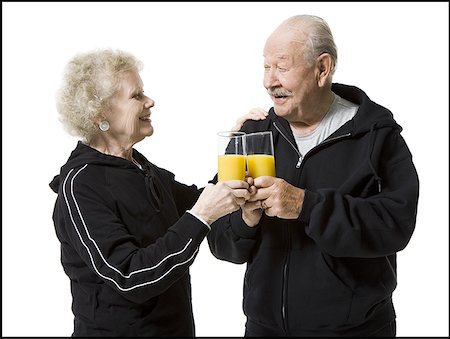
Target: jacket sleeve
(87, 220)
(231, 239)
(185, 196)
(368, 225)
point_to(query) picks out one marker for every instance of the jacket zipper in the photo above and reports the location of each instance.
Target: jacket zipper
(286, 262)
(292, 145)
(342, 136)
(288, 236)
(285, 274)
(300, 157)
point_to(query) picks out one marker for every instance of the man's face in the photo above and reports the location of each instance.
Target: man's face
(288, 79)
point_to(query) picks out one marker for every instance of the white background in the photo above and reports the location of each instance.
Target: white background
(203, 68)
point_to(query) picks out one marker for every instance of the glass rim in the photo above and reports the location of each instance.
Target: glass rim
(230, 134)
(256, 133)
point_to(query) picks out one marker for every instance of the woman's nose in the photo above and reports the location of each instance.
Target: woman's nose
(149, 103)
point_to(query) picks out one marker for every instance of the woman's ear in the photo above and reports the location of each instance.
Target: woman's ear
(324, 67)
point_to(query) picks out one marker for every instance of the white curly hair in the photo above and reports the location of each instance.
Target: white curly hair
(89, 81)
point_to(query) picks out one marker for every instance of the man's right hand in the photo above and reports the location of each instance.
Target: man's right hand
(252, 210)
(252, 213)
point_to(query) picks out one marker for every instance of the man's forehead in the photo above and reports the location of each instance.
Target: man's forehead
(285, 53)
(281, 56)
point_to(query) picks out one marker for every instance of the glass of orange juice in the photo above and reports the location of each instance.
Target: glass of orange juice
(231, 157)
(260, 154)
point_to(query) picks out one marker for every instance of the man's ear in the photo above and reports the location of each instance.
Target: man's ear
(324, 68)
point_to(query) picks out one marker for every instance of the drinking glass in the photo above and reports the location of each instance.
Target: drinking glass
(231, 157)
(260, 154)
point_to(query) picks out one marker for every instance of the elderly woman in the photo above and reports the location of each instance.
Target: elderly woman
(128, 230)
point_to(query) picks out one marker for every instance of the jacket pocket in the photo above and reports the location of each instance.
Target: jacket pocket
(263, 288)
(318, 297)
(376, 280)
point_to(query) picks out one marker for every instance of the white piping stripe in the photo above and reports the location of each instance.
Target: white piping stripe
(98, 249)
(89, 252)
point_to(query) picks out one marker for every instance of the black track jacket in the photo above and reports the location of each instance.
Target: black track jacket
(332, 271)
(126, 245)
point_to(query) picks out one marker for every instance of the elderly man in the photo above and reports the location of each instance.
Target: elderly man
(320, 238)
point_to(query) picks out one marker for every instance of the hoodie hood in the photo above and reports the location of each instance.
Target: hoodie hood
(84, 154)
(370, 115)
(370, 118)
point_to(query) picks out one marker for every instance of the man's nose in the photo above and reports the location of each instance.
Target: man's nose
(271, 79)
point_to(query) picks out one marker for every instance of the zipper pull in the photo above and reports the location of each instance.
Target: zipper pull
(299, 162)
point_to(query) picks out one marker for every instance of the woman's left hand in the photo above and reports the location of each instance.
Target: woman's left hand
(254, 114)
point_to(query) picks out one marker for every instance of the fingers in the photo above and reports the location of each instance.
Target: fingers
(267, 204)
(256, 113)
(262, 188)
(264, 181)
(234, 184)
(241, 194)
(238, 189)
(241, 189)
(250, 180)
(261, 194)
(252, 190)
(252, 206)
(270, 212)
(268, 207)
(238, 125)
(241, 202)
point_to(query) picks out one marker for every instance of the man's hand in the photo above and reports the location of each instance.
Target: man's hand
(278, 198)
(251, 210)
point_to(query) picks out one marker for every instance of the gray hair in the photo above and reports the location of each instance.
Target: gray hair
(319, 38)
(89, 81)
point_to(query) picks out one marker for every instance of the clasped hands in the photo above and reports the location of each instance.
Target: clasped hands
(273, 196)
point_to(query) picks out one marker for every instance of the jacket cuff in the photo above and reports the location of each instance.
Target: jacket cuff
(240, 228)
(309, 201)
(190, 226)
(203, 221)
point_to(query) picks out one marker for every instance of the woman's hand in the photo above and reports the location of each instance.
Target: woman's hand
(221, 199)
(254, 114)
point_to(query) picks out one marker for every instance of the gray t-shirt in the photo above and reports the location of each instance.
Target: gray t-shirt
(340, 112)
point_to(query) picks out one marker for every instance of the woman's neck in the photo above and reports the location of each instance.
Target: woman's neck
(112, 148)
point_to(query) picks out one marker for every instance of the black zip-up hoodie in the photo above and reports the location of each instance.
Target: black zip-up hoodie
(332, 271)
(126, 244)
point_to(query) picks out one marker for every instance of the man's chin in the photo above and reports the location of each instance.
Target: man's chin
(279, 111)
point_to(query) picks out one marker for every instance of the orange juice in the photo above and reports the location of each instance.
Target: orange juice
(231, 167)
(260, 164)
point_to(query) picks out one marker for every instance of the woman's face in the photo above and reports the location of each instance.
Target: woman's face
(129, 114)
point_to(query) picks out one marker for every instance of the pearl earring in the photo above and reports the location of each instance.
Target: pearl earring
(104, 125)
